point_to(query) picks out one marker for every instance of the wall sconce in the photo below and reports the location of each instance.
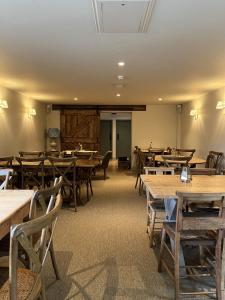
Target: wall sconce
(194, 113)
(31, 112)
(220, 105)
(3, 103)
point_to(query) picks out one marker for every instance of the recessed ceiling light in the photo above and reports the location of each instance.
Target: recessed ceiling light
(75, 99)
(117, 95)
(120, 77)
(160, 99)
(121, 63)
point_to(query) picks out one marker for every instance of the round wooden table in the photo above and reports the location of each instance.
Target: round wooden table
(193, 161)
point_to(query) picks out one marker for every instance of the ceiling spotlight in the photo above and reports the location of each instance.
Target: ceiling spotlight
(121, 63)
(160, 99)
(75, 99)
(117, 95)
(120, 77)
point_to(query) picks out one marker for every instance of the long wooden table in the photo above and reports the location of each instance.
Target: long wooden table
(193, 161)
(81, 163)
(14, 207)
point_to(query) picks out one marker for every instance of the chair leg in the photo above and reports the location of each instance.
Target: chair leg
(91, 186)
(137, 181)
(75, 196)
(218, 268)
(43, 293)
(161, 250)
(52, 253)
(177, 266)
(151, 228)
(87, 185)
(104, 174)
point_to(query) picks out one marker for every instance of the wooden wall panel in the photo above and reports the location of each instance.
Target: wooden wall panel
(80, 126)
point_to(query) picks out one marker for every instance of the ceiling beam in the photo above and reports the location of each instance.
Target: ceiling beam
(101, 107)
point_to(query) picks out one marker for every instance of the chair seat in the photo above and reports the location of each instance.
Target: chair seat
(189, 235)
(25, 283)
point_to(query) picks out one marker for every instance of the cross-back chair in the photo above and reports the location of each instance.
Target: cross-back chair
(214, 160)
(171, 160)
(28, 283)
(5, 176)
(30, 154)
(105, 163)
(6, 161)
(31, 171)
(192, 229)
(155, 207)
(185, 152)
(66, 168)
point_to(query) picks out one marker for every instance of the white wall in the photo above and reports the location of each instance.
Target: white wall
(208, 131)
(17, 131)
(158, 124)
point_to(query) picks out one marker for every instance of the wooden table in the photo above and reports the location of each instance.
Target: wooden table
(193, 161)
(165, 186)
(14, 207)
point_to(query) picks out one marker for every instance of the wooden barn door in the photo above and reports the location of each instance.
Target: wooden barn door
(80, 126)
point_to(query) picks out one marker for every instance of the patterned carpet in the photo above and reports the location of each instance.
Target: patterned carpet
(102, 250)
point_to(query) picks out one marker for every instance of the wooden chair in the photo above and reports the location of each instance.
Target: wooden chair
(190, 229)
(83, 177)
(52, 153)
(45, 199)
(155, 207)
(143, 161)
(185, 152)
(6, 161)
(31, 171)
(28, 283)
(66, 167)
(31, 154)
(214, 160)
(5, 175)
(177, 161)
(105, 162)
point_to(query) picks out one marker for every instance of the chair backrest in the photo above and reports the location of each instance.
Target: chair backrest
(106, 159)
(159, 170)
(30, 168)
(5, 175)
(185, 152)
(6, 161)
(63, 167)
(214, 160)
(175, 159)
(21, 235)
(30, 154)
(191, 220)
(52, 153)
(45, 198)
(203, 171)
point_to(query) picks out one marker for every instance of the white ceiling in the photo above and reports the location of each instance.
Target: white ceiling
(50, 50)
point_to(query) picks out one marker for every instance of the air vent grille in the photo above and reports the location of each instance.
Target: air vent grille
(122, 16)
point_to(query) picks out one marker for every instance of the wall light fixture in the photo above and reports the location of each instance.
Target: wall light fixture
(220, 105)
(194, 113)
(3, 103)
(32, 112)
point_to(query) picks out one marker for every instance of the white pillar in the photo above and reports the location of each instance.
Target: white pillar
(114, 138)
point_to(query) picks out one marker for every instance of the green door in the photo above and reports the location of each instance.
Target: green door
(123, 138)
(105, 136)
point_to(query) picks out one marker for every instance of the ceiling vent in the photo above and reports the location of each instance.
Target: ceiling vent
(130, 16)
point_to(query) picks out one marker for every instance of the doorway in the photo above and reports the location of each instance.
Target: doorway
(123, 138)
(105, 136)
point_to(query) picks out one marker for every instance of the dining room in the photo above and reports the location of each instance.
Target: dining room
(112, 152)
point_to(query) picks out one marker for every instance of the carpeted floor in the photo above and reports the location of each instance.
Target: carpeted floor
(102, 250)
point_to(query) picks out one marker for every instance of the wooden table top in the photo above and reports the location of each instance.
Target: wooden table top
(14, 206)
(193, 161)
(83, 163)
(166, 186)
